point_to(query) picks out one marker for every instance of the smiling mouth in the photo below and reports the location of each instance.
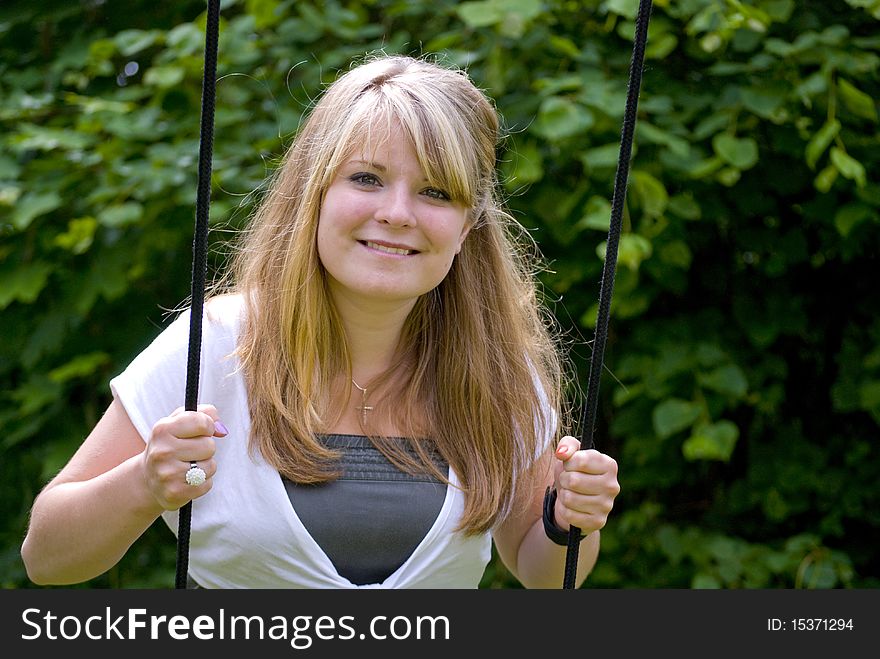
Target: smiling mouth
(388, 250)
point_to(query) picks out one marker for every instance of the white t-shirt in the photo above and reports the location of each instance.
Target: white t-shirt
(245, 532)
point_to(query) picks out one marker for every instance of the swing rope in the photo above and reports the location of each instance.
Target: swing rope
(200, 259)
(607, 287)
(200, 252)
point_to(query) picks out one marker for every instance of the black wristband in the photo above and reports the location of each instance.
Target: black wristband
(552, 531)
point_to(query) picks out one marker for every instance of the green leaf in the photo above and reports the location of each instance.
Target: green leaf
(676, 253)
(79, 235)
(49, 139)
(525, 165)
(685, 206)
(848, 166)
(32, 206)
(765, 103)
(660, 46)
(9, 169)
(869, 395)
(705, 168)
(79, 366)
(121, 214)
(24, 283)
(728, 176)
(130, 42)
(741, 153)
(597, 214)
(559, 118)
(9, 194)
(601, 157)
(779, 10)
(565, 46)
(626, 8)
(709, 354)
(728, 380)
(38, 392)
(633, 249)
(857, 101)
(670, 541)
(674, 415)
(164, 76)
(184, 39)
(825, 179)
(511, 15)
(714, 441)
(266, 13)
(821, 141)
(516, 15)
(479, 14)
(650, 193)
(649, 133)
(851, 215)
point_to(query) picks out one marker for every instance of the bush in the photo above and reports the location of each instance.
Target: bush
(741, 390)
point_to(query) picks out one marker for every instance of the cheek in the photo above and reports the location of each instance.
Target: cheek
(449, 230)
(321, 236)
(326, 241)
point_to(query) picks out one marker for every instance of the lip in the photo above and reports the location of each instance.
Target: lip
(373, 244)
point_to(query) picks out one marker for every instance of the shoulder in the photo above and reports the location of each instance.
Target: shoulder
(223, 315)
(224, 309)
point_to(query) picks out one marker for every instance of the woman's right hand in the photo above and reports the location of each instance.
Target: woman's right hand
(176, 441)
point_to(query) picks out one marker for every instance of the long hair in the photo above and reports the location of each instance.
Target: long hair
(478, 372)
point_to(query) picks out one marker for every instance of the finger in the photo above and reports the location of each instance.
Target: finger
(567, 447)
(209, 466)
(572, 503)
(220, 430)
(590, 461)
(196, 450)
(587, 523)
(577, 483)
(187, 424)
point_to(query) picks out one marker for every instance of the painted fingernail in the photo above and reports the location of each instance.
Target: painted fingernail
(220, 428)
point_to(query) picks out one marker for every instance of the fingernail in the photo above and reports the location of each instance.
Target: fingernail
(220, 428)
(561, 450)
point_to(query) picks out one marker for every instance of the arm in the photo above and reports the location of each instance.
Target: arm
(586, 482)
(112, 490)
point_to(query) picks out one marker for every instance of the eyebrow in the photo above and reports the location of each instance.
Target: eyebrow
(375, 165)
(369, 163)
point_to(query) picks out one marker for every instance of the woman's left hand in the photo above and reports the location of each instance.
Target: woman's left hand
(586, 486)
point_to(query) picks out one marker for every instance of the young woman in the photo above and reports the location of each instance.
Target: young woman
(382, 393)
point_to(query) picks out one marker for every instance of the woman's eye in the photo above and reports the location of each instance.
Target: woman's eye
(364, 178)
(434, 193)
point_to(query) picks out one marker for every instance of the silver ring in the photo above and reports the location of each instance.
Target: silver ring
(195, 475)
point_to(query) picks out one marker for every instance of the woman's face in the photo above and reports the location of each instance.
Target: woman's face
(384, 234)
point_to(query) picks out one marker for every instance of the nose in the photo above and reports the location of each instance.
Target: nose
(397, 207)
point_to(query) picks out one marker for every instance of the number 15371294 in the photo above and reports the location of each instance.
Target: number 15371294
(809, 624)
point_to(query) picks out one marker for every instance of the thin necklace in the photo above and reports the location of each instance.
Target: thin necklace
(364, 408)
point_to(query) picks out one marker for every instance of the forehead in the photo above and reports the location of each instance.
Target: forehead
(377, 144)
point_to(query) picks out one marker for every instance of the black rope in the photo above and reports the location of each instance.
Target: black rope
(200, 260)
(607, 286)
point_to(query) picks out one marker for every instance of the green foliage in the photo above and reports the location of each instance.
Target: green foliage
(742, 388)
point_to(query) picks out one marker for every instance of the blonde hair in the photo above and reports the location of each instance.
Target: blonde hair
(477, 371)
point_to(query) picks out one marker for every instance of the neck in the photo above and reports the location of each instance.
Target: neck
(373, 334)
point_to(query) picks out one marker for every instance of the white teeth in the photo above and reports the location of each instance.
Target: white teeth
(389, 250)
